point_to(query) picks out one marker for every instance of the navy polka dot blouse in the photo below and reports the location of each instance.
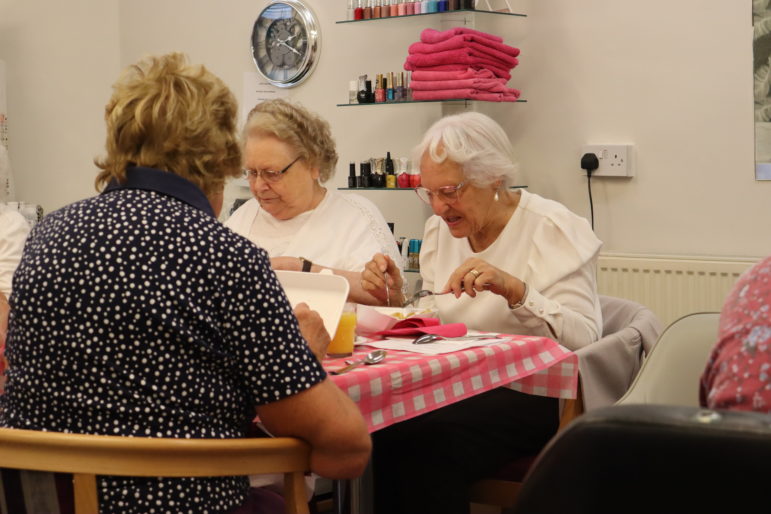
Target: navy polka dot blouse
(137, 313)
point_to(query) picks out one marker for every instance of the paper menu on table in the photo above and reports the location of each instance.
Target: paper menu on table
(435, 348)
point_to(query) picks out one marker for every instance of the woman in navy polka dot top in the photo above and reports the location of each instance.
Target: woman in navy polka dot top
(137, 313)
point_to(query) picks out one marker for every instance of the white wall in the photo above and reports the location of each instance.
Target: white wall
(672, 78)
(61, 58)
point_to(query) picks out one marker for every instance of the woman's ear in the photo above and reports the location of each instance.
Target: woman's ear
(315, 173)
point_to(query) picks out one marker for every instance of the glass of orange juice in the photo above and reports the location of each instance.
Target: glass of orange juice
(342, 343)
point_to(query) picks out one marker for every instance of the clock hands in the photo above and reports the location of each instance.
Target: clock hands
(289, 47)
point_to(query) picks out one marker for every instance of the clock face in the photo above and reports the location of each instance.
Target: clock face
(285, 42)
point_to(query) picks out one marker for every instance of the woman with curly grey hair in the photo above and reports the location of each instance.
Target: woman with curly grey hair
(515, 263)
(288, 154)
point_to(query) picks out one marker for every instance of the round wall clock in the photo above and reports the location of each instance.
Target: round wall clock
(285, 42)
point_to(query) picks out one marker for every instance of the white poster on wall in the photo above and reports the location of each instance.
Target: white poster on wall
(6, 175)
(257, 89)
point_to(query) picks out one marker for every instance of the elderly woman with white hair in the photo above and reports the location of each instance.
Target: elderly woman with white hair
(515, 263)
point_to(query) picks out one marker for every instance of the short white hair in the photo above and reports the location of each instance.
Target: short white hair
(475, 142)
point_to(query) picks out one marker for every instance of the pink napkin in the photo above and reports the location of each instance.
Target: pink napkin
(416, 325)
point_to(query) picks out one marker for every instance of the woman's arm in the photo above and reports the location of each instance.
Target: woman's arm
(330, 422)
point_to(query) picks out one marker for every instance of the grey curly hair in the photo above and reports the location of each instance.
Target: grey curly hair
(308, 134)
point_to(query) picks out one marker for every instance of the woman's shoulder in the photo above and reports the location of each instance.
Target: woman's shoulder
(350, 201)
(245, 212)
(554, 224)
(551, 212)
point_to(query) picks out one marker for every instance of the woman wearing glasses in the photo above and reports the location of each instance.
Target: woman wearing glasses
(517, 263)
(288, 154)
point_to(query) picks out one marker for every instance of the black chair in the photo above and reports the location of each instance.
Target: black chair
(653, 459)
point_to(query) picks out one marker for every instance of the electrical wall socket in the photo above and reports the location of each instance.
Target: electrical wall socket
(615, 160)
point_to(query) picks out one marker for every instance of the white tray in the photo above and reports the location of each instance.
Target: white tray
(324, 293)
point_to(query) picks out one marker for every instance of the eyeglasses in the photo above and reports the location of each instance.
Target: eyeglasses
(447, 194)
(268, 175)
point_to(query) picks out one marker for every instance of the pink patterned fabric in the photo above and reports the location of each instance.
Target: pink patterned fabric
(738, 372)
(408, 384)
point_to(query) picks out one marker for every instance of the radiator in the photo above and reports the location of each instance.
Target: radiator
(670, 286)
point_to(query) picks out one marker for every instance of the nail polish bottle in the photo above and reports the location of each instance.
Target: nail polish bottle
(414, 178)
(402, 177)
(378, 172)
(431, 5)
(376, 11)
(452, 5)
(380, 93)
(367, 14)
(441, 6)
(389, 171)
(349, 11)
(409, 8)
(394, 8)
(390, 87)
(424, 7)
(407, 96)
(402, 7)
(352, 175)
(365, 175)
(358, 12)
(353, 92)
(365, 95)
(385, 11)
(399, 89)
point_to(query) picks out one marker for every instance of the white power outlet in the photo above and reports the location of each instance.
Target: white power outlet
(615, 160)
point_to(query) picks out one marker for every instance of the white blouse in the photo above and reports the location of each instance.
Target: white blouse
(545, 245)
(13, 233)
(343, 232)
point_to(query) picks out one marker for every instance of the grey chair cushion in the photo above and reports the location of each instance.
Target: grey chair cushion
(607, 367)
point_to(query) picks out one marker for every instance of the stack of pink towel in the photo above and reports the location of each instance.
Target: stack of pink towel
(461, 63)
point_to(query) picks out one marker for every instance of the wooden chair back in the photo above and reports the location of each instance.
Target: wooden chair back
(88, 455)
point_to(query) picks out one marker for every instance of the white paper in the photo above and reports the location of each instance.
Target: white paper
(256, 90)
(435, 348)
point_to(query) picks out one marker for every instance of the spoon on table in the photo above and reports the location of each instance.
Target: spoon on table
(430, 338)
(373, 357)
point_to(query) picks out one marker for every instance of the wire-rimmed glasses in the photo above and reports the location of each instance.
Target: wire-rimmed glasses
(447, 194)
(268, 175)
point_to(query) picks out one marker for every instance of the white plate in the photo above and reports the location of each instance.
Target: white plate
(324, 293)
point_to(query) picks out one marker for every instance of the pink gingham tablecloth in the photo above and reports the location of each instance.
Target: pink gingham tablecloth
(408, 384)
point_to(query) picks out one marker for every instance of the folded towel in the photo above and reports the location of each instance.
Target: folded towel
(466, 73)
(461, 41)
(497, 71)
(465, 94)
(434, 36)
(493, 85)
(461, 56)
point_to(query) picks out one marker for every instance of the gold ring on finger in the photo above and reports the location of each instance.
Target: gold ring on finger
(475, 273)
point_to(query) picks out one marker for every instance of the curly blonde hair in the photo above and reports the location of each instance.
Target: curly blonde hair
(308, 134)
(172, 116)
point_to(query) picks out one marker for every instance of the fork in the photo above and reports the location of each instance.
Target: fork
(421, 294)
